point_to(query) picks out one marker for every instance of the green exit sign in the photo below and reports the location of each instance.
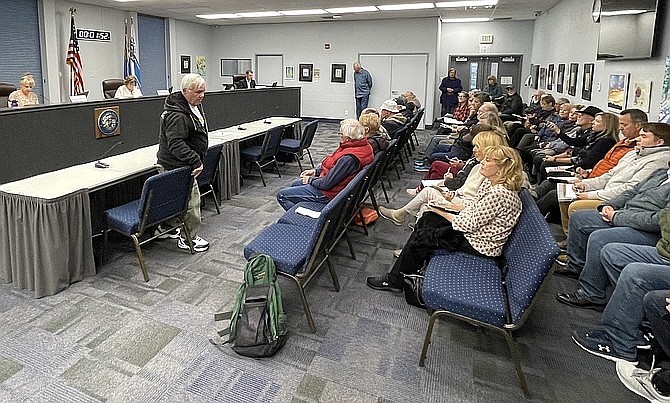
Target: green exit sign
(485, 38)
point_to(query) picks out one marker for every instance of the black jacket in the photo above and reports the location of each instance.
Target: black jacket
(182, 140)
(243, 84)
(513, 104)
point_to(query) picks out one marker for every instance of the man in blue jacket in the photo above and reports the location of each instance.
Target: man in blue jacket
(362, 88)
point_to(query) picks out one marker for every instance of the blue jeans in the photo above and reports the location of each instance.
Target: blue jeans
(299, 192)
(361, 103)
(588, 233)
(645, 271)
(654, 309)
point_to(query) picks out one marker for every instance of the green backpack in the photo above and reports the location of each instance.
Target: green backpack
(257, 322)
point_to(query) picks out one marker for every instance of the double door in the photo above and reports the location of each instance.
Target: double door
(473, 70)
(393, 74)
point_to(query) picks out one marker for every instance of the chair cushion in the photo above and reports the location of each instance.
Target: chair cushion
(465, 284)
(291, 217)
(252, 153)
(289, 145)
(124, 219)
(289, 245)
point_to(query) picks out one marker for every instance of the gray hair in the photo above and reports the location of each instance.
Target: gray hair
(191, 80)
(352, 128)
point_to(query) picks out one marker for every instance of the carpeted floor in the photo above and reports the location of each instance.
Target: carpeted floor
(113, 337)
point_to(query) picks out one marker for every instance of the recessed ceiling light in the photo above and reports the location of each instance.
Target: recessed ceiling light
(304, 12)
(465, 19)
(343, 10)
(414, 6)
(622, 12)
(469, 3)
(258, 14)
(216, 16)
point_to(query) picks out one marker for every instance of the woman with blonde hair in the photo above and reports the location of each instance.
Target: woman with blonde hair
(24, 96)
(481, 228)
(129, 89)
(377, 139)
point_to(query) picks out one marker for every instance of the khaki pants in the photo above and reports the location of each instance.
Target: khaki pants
(568, 208)
(193, 217)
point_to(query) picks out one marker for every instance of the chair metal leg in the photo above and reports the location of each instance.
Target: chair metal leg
(360, 217)
(305, 305)
(103, 249)
(140, 257)
(386, 195)
(297, 158)
(426, 340)
(333, 275)
(516, 357)
(277, 166)
(260, 170)
(311, 161)
(373, 199)
(216, 201)
(351, 245)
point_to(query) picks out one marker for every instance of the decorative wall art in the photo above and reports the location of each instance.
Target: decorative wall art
(289, 73)
(543, 77)
(572, 79)
(617, 86)
(641, 91)
(185, 65)
(664, 109)
(305, 71)
(587, 81)
(560, 79)
(338, 73)
(551, 75)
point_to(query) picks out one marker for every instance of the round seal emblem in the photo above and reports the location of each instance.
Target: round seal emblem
(108, 122)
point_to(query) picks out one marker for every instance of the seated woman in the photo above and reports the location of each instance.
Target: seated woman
(24, 96)
(129, 89)
(336, 170)
(378, 140)
(411, 97)
(451, 199)
(481, 228)
(546, 133)
(462, 110)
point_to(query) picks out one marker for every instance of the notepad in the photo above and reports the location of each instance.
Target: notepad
(565, 192)
(307, 212)
(431, 182)
(560, 168)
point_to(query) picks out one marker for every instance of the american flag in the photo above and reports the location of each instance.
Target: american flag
(74, 61)
(131, 66)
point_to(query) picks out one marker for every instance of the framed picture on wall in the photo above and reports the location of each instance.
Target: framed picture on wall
(572, 79)
(289, 73)
(560, 79)
(617, 86)
(185, 64)
(543, 77)
(641, 94)
(535, 74)
(550, 77)
(587, 81)
(338, 73)
(306, 71)
(664, 108)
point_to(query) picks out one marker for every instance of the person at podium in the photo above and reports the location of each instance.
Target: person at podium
(24, 96)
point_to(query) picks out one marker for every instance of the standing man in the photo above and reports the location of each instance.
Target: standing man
(183, 141)
(362, 88)
(248, 81)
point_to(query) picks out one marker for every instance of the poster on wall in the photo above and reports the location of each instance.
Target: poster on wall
(289, 73)
(474, 67)
(338, 73)
(641, 90)
(572, 79)
(543, 77)
(201, 65)
(535, 74)
(185, 65)
(616, 91)
(550, 77)
(305, 72)
(664, 110)
(561, 77)
(587, 81)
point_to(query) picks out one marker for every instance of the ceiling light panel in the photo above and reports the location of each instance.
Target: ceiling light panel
(217, 16)
(304, 12)
(465, 20)
(259, 14)
(469, 3)
(344, 10)
(401, 7)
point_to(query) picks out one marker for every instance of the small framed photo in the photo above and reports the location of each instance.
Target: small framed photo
(572, 79)
(535, 74)
(543, 77)
(306, 71)
(550, 77)
(617, 87)
(338, 73)
(641, 90)
(560, 79)
(289, 72)
(587, 81)
(185, 64)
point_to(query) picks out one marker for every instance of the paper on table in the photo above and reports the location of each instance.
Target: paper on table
(307, 212)
(560, 168)
(452, 121)
(431, 182)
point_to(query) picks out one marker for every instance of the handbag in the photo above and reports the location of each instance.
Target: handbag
(412, 288)
(369, 216)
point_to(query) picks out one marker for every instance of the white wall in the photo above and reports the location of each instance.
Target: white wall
(304, 43)
(509, 37)
(188, 38)
(567, 34)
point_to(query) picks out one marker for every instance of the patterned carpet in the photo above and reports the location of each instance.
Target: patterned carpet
(113, 337)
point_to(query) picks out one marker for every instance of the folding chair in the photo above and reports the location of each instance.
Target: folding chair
(208, 174)
(266, 153)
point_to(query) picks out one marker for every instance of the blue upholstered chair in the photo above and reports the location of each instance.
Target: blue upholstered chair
(301, 245)
(208, 174)
(493, 293)
(298, 147)
(164, 196)
(377, 172)
(266, 153)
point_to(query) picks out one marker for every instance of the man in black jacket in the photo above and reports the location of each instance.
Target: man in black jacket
(512, 104)
(183, 141)
(248, 80)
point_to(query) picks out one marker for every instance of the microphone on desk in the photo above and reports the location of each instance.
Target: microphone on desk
(241, 128)
(100, 164)
(267, 121)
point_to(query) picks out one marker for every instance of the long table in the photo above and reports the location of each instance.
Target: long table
(46, 241)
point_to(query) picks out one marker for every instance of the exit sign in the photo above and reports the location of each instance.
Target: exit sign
(485, 38)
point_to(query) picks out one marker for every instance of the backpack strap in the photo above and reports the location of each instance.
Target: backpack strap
(223, 316)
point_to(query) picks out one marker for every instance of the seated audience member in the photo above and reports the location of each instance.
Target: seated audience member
(382, 130)
(378, 140)
(481, 228)
(336, 170)
(411, 97)
(546, 132)
(633, 271)
(561, 101)
(651, 153)
(534, 121)
(391, 116)
(630, 123)
(630, 217)
(247, 82)
(446, 198)
(512, 104)
(492, 87)
(129, 89)
(24, 96)
(462, 110)
(534, 103)
(406, 109)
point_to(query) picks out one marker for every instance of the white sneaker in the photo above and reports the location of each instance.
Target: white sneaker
(638, 381)
(174, 234)
(199, 244)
